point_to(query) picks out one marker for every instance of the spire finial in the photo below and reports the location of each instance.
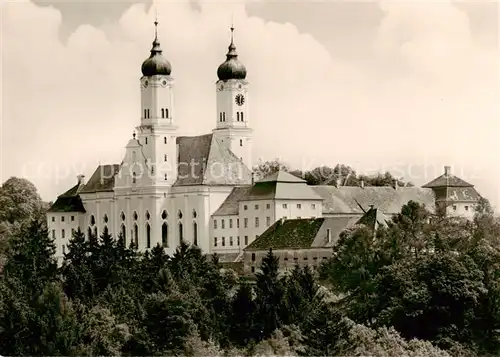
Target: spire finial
(156, 25)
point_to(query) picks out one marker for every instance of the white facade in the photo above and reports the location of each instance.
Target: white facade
(233, 120)
(164, 190)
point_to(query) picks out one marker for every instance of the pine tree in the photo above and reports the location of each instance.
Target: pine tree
(243, 309)
(270, 293)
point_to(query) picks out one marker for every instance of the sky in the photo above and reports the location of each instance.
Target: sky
(406, 87)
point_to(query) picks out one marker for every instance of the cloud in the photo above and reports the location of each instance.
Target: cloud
(429, 92)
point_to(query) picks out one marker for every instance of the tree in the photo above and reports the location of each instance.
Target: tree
(269, 296)
(31, 259)
(242, 322)
(267, 168)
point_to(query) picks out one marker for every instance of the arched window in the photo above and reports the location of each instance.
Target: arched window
(195, 233)
(237, 116)
(124, 234)
(92, 220)
(147, 110)
(195, 214)
(241, 116)
(145, 113)
(241, 142)
(133, 178)
(224, 116)
(179, 214)
(220, 117)
(166, 113)
(164, 214)
(148, 236)
(136, 236)
(135, 216)
(181, 232)
(164, 234)
(146, 141)
(122, 216)
(162, 113)
(165, 140)
(166, 177)
(148, 216)
(105, 218)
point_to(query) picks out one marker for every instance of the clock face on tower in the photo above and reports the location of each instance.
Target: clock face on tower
(239, 99)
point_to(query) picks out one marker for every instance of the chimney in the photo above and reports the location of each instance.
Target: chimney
(447, 170)
(362, 184)
(80, 179)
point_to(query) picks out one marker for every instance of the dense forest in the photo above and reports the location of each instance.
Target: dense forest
(423, 286)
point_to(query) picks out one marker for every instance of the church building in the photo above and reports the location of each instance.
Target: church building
(199, 189)
(167, 186)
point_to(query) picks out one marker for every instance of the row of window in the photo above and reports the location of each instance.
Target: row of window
(295, 258)
(223, 241)
(245, 223)
(62, 218)
(164, 113)
(222, 116)
(123, 232)
(285, 205)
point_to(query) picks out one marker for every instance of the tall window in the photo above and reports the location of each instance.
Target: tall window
(215, 241)
(124, 235)
(53, 234)
(62, 218)
(165, 140)
(256, 222)
(223, 241)
(165, 158)
(146, 141)
(164, 234)
(181, 232)
(62, 233)
(268, 221)
(246, 240)
(195, 233)
(148, 236)
(166, 113)
(245, 222)
(230, 223)
(241, 142)
(136, 236)
(222, 224)
(215, 224)
(162, 113)
(241, 116)
(220, 117)
(237, 116)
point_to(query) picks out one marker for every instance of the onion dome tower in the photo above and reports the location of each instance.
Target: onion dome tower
(232, 126)
(232, 68)
(156, 64)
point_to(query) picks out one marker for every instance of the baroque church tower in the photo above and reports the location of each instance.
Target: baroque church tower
(158, 130)
(233, 121)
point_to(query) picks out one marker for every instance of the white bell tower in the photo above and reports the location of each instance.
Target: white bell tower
(157, 133)
(232, 117)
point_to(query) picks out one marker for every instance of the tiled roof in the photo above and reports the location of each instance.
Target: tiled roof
(230, 206)
(357, 200)
(336, 225)
(462, 194)
(69, 201)
(102, 180)
(373, 218)
(288, 234)
(281, 176)
(205, 161)
(447, 180)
